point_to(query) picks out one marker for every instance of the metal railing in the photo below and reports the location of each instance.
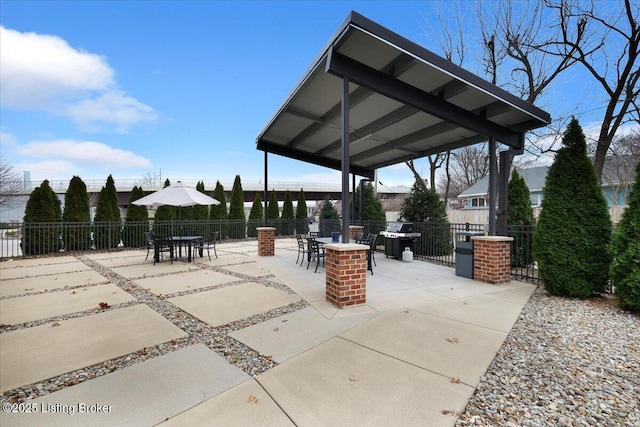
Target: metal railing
(436, 243)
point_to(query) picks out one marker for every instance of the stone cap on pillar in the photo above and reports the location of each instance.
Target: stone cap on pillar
(493, 238)
(265, 228)
(345, 246)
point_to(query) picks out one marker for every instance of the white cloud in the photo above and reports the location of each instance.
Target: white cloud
(83, 153)
(115, 108)
(39, 69)
(7, 139)
(43, 72)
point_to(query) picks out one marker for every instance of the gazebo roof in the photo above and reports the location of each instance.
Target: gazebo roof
(405, 102)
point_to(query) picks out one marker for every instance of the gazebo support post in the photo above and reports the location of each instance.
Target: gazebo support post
(266, 189)
(493, 170)
(345, 159)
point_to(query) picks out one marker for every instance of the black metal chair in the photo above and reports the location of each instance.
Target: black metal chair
(371, 243)
(161, 245)
(316, 250)
(374, 238)
(150, 242)
(209, 244)
(303, 249)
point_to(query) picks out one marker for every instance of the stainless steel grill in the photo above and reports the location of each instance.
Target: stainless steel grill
(397, 236)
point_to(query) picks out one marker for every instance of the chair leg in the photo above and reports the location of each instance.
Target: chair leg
(208, 253)
(215, 252)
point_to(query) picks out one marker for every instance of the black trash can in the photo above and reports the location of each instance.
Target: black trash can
(464, 253)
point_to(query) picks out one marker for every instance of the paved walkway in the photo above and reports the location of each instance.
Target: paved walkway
(412, 355)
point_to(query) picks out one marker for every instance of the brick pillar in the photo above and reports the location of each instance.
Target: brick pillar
(266, 241)
(492, 259)
(355, 229)
(346, 279)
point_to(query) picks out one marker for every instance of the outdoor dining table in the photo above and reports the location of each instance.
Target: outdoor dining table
(178, 241)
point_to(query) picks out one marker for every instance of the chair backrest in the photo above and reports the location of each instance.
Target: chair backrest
(213, 237)
(373, 237)
(299, 240)
(314, 246)
(314, 234)
(149, 236)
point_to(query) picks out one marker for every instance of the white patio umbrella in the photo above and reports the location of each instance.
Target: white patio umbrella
(176, 195)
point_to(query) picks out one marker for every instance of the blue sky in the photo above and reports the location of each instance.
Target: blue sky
(135, 88)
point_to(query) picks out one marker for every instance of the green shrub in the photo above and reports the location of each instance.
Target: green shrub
(107, 222)
(236, 211)
(136, 222)
(255, 216)
(625, 250)
(77, 211)
(287, 219)
(520, 215)
(43, 206)
(302, 224)
(164, 217)
(574, 228)
(423, 205)
(218, 213)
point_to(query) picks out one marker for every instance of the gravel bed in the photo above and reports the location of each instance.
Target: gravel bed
(566, 362)
(216, 338)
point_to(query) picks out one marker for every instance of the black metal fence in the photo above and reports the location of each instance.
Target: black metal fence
(436, 243)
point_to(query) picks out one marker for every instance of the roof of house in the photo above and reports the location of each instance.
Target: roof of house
(533, 177)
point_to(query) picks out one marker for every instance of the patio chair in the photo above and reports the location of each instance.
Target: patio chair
(161, 245)
(303, 249)
(374, 238)
(316, 250)
(371, 243)
(314, 234)
(209, 244)
(150, 245)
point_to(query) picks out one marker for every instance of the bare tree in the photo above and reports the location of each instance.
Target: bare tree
(611, 57)
(619, 169)
(10, 183)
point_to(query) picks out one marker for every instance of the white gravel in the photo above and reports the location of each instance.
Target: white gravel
(566, 362)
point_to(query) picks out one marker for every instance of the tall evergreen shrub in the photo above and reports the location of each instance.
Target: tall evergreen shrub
(218, 213)
(372, 213)
(273, 213)
(625, 250)
(424, 207)
(164, 217)
(41, 216)
(136, 222)
(107, 222)
(329, 217)
(574, 227)
(302, 224)
(520, 220)
(77, 212)
(287, 219)
(201, 212)
(237, 229)
(255, 216)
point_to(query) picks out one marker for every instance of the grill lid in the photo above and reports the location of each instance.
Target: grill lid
(400, 227)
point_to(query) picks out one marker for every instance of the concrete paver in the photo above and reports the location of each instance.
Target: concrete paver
(224, 305)
(292, 334)
(190, 280)
(253, 269)
(246, 405)
(492, 313)
(10, 287)
(346, 384)
(30, 262)
(144, 394)
(42, 270)
(148, 269)
(43, 306)
(447, 347)
(34, 354)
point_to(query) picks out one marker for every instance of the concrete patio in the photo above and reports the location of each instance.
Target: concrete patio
(412, 355)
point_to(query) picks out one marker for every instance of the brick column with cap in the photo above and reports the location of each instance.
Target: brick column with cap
(355, 229)
(266, 241)
(346, 276)
(492, 259)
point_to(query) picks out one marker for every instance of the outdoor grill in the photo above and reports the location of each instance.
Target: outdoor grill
(397, 236)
